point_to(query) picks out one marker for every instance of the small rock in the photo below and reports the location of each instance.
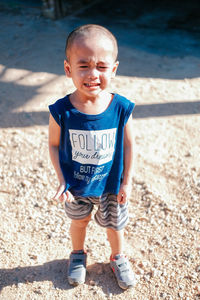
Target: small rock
(38, 292)
(147, 277)
(192, 222)
(183, 219)
(32, 256)
(100, 270)
(3, 144)
(197, 288)
(188, 154)
(139, 271)
(143, 251)
(181, 287)
(180, 294)
(25, 183)
(197, 269)
(163, 295)
(196, 227)
(92, 283)
(141, 265)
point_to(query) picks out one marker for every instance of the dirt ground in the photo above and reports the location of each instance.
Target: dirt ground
(160, 71)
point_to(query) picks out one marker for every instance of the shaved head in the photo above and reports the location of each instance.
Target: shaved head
(86, 31)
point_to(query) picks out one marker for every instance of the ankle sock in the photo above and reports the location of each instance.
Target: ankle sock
(78, 251)
(117, 256)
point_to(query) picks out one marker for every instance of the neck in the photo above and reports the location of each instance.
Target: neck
(90, 105)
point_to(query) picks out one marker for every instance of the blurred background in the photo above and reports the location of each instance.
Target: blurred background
(152, 13)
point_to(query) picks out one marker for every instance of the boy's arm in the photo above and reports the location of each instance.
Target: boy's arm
(54, 141)
(125, 188)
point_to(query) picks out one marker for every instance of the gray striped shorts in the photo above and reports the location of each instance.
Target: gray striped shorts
(109, 214)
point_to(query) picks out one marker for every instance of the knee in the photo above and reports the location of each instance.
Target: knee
(81, 223)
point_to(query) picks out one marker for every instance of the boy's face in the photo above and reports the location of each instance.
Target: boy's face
(91, 64)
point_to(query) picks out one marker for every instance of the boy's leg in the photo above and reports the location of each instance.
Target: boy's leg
(116, 240)
(79, 210)
(78, 232)
(77, 260)
(119, 262)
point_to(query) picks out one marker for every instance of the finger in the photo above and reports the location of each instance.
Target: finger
(59, 193)
(69, 197)
(122, 198)
(63, 197)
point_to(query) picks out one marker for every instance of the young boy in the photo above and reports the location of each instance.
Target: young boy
(91, 148)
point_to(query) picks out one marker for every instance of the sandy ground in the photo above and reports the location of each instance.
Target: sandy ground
(160, 71)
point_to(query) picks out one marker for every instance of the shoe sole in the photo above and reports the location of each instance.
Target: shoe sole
(74, 283)
(119, 283)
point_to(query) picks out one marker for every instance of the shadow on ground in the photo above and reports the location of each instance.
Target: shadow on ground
(26, 119)
(56, 272)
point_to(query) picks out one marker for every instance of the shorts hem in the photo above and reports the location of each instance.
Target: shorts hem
(116, 228)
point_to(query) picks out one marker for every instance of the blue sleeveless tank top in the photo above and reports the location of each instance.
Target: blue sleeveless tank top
(91, 146)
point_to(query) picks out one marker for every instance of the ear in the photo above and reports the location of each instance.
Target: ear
(67, 68)
(114, 70)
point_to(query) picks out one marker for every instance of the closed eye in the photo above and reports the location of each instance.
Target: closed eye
(102, 67)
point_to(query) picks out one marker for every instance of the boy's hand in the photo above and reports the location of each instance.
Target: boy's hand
(124, 193)
(61, 196)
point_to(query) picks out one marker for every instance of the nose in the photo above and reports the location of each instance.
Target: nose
(93, 73)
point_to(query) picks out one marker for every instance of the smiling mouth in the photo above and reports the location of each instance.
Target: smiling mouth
(92, 84)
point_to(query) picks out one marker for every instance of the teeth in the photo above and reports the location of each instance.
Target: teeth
(91, 84)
